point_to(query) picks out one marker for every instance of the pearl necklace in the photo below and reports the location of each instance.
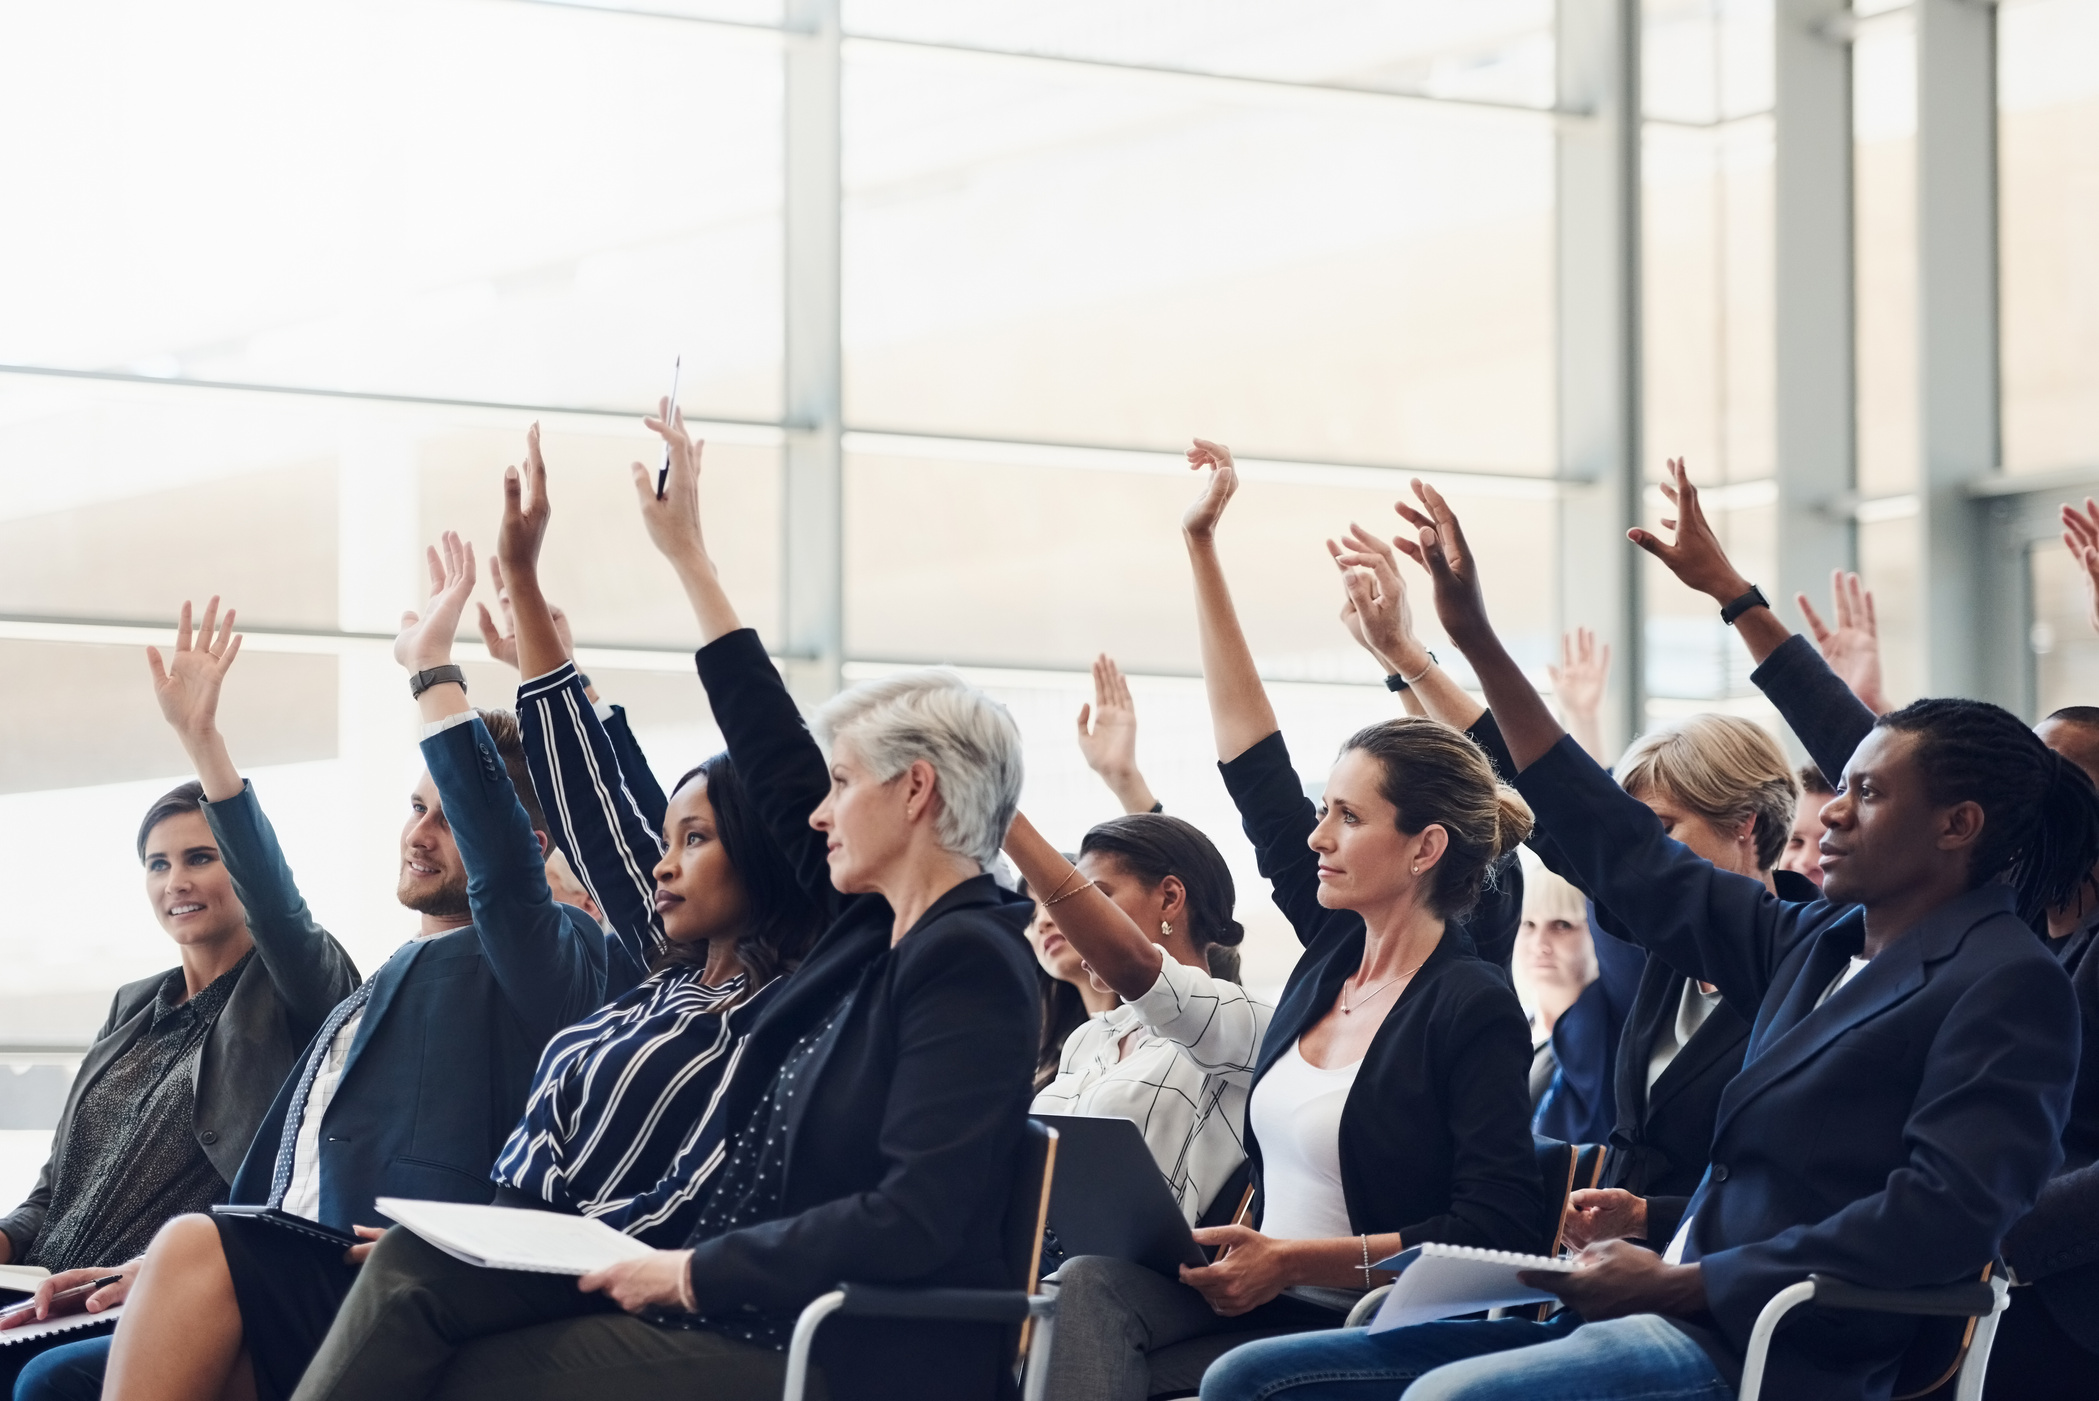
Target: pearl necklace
(1346, 1008)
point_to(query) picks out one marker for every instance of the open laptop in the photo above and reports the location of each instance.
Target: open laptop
(1108, 1198)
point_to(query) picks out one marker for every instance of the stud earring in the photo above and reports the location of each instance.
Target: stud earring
(1417, 868)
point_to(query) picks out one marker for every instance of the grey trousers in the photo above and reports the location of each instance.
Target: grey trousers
(1125, 1333)
(420, 1324)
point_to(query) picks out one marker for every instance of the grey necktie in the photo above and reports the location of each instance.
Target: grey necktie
(295, 1113)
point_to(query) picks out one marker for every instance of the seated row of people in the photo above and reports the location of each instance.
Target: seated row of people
(802, 1044)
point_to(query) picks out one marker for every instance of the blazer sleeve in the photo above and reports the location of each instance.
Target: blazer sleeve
(1713, 925)
(309, 969)
(1665, 1215)
(634, 766)
(549, 961)
(1496, 1199)
(1214, 1020)
(1828, 718)
(2061, 1232)
(1278, 818)
(782, 768)
(22, 1225)
(1983, 1136)
(965, 1033)
(597, 820)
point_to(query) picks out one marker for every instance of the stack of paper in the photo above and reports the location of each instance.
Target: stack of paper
(1443, 1281)
(506, 1238)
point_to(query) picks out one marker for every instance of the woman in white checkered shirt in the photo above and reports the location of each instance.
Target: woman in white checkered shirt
(1177, 1056)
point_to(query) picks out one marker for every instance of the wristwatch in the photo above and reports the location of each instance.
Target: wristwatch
(1753, 599)
(1398, 682)
(435, 676)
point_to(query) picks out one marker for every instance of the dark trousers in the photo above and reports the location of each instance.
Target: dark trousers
(2033, 1359)
(421, 1324)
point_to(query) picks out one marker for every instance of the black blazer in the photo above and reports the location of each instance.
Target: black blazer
(1889, 1137)
(441, 1063)
(902, 1150)
(284, 994)
(2057, 1247)
(1435, 1133)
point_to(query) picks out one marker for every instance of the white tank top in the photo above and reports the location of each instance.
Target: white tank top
(1296, 1115)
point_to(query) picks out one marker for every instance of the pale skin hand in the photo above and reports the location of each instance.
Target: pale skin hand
(673, 523)
(107, 1297)
(656, 1280)
(187, 689)
(1608, 1213)
(1380, 618)
(425, 640)
(1108, 737)
(501, 639)
(1852, 647)
(1240, 715)
(2081, 539)
(1578, 684)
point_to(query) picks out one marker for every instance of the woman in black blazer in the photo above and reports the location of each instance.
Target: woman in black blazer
(868, 1129)
(1389, 1105)
(189, 1060)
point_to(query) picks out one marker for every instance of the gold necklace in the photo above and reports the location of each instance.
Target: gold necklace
(1346, 1008)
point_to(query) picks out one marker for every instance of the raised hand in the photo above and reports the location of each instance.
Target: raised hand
(1695, 556)
(1108, 737)
(1200, 520)
(2081, 538)
(1461, 606)
(502, 641)
(1377, 612)
(1852, 647)
(425, 640)
(673, 519)
(188, 687)
(526, 510)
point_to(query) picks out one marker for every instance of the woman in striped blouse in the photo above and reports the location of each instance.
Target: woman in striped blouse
(609, 1128)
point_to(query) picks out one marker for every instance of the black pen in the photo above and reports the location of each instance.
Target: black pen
(670, 407)
(13, 1316)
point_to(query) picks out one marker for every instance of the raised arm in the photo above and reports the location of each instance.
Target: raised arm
(1239, 710)
(1108, 738)
(1109, 940)
(1695, 558)
(782, 768)
(1719, 927)
(1578, 684)
(310, 970)
(1379, 616)
(550, 962)
(576, 771)
(1852, 645)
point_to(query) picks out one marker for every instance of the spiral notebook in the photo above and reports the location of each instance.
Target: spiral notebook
(1444, 1281)
(65, 1323)
(508, 1238)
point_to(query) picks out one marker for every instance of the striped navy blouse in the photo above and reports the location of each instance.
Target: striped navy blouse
(610, 1127)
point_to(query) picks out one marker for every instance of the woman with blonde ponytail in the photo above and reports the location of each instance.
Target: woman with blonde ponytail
(1389, 1104)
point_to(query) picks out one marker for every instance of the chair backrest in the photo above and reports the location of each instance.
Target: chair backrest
(1566, 1168)
(1935, 1356)
(1027, 1205)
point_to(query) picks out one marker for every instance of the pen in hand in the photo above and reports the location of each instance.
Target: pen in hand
(670, 407)
(77, 1296)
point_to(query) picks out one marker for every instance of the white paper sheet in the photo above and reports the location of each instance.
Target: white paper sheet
(10, 1336)
(1444, 1281)
(507, 1238)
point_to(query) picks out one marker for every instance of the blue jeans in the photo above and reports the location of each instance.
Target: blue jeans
(1498, 1360)
(69, 1373)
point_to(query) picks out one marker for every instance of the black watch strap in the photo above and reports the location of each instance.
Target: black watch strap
(1753, 599)
(1395, 682)
(436, 676)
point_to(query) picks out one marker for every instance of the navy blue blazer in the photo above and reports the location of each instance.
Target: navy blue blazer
(2056, 1248)
(448, 1044)
(1435, 1132)
(1581, 1104)
(1889, 1136)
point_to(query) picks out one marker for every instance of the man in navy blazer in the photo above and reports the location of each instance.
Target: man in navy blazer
(412, 1084)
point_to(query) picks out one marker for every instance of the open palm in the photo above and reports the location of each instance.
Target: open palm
(187, 687)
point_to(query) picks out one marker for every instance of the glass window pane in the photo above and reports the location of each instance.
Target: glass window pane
(1063, 562)
(2048, 172)
(1064, 255)
(2065, 651)
(1884, 172)
(509, 202)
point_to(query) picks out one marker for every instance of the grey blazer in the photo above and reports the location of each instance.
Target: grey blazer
(284, 994)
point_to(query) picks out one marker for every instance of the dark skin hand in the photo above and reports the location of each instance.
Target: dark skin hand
(1695, 557)
(1616, 1280)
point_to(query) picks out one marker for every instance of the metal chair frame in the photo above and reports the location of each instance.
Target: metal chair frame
(1982, 1303)
(1036, 1313)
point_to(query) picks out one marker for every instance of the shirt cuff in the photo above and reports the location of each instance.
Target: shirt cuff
(604, 711)
(438, 727)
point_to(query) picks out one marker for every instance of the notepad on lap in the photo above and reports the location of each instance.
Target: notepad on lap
(507, 1238)
(1443, 1281)
(65, 1323)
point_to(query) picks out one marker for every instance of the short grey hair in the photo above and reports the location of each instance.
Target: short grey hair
(969, 739)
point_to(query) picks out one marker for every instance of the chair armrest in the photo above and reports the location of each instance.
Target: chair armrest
(1948, 1301)
(1366, 1307)
(950, 1305)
